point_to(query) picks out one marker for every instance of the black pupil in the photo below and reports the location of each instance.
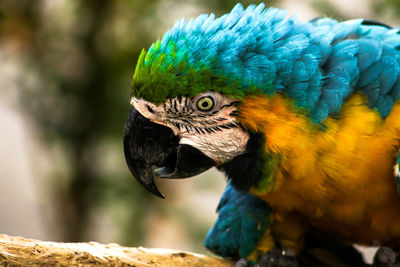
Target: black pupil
(204, 104)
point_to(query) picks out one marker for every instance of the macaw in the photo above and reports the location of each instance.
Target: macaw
(302, 117)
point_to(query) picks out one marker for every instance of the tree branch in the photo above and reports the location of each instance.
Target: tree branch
(19, 251)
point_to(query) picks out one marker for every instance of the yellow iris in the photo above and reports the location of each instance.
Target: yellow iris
(205, 103)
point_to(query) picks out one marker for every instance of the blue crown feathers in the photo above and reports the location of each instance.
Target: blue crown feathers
(317, 63)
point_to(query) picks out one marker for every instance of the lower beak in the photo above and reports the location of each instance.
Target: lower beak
(153, 149)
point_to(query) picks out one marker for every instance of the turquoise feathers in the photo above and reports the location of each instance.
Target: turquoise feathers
(274, 75)
(241, 223)
(258, 50)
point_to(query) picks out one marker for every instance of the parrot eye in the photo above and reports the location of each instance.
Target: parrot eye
(205, 103)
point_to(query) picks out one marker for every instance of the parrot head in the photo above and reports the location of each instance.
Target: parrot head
(181, 137)
(187, 90)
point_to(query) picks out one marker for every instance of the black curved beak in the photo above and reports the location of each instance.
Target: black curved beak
(153, 149)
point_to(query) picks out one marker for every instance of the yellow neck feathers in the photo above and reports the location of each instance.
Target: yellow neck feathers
(348, 141)
(340, 176)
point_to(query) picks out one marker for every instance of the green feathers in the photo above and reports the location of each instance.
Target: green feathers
(159, 76)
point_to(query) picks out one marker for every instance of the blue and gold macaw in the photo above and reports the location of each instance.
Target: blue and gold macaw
(302, 117)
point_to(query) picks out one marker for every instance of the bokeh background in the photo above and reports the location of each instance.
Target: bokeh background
(65, 71)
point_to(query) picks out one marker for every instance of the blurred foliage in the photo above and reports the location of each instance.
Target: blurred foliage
(79, 92)
(328, 9)
(388, 8)
(221, 7)
(78, 58)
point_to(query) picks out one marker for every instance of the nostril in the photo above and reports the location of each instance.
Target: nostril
(150, 109)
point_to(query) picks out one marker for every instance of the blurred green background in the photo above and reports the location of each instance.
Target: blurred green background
(65, 71)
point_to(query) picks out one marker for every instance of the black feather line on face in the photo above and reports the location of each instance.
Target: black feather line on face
(185, 120)
(180, 113)
(202, 130)
(234, 113)
(233, 103)
(175, 106)
(245, 170)
(213, 129)
(225, 126)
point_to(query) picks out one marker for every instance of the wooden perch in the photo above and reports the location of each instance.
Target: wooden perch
(19, 251)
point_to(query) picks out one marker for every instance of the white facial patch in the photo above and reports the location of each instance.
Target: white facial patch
(220, 146)
(216, 132)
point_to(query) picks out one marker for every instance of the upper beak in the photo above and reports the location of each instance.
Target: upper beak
(152, 148)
